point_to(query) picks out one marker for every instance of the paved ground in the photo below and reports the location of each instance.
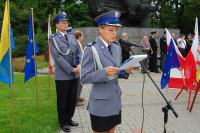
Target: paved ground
(132, 112)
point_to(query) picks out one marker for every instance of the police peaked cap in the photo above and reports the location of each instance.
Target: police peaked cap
(59, 17)
(108, 18)
(153, 32)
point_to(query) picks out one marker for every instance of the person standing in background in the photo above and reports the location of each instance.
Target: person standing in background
(182, 45)
(67, 55)
(153, 67)
(126, 46)
(79, 37)
(174, 37)
(145, 50)
(188, 43)
(163, 50)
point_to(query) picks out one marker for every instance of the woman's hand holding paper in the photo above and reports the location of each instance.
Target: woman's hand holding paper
(111, 71)
(129, 70)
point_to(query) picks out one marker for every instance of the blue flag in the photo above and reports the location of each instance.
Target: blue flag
(30, 69)
(170, 62)
(5, 63)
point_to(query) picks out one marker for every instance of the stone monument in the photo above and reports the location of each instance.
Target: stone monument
(134, 12)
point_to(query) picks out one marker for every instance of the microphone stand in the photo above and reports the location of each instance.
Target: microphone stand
(168, 105)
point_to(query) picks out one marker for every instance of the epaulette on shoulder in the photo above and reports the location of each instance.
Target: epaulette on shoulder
(53, 35)
(69, 30)
(91, 43)
(116, 43)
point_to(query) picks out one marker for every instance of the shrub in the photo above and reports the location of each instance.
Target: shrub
(42, 41)
(19, 63)
(21, 44)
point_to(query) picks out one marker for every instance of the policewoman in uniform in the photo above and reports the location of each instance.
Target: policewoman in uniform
(67, 55)
(99, 66)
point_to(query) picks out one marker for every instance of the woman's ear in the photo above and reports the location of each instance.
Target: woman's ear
(100, 30)
(57, 25)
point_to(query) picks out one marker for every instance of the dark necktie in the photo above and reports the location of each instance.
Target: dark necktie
(66, 37)
(109, 48)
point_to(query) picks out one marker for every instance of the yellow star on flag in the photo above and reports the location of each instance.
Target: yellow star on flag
(28, 61)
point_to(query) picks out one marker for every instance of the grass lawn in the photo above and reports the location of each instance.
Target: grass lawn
(28, 118)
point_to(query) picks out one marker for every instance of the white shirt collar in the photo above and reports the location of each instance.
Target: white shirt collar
(104, 42)
(62, 33)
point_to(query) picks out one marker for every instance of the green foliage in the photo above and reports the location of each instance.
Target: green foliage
(191, 11)
(166, 17)
(28, 118)
(78, 14)
(19, 63)
(42, 41)
(21, 9)
(175, 14)
(21, 43)
(171, 14)
(19, 17)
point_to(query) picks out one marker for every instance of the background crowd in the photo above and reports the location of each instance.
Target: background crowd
(156, 50)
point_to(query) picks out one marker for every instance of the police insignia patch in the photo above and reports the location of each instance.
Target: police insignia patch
(54, 34)
(116, 14)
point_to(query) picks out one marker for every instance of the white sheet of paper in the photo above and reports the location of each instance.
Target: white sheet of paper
(132, 61)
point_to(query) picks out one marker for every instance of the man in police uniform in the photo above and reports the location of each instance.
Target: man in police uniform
(153, 67)
(66, 54)
(100, 66)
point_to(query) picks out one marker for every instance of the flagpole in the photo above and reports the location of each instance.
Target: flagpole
(11, 76)
(49, 57)
(36, 83)
(183, 79)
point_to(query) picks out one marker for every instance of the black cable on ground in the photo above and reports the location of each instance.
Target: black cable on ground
(143, 102)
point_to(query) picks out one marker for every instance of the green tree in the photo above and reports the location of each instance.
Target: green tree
(175, 14)
(78, 14)
(21, 9)
(191, 11)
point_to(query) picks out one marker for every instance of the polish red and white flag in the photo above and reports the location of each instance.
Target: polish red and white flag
(191, 60)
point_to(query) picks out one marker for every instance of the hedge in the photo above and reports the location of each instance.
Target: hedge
(21, 44)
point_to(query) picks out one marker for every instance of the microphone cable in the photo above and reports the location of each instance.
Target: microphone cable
(143, 102)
